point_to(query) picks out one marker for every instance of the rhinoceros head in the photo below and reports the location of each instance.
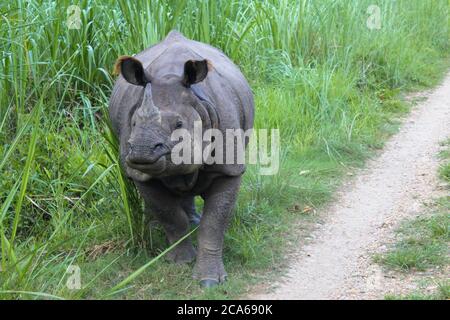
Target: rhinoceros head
(168, 104)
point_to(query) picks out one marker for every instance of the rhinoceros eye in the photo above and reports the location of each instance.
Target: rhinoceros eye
(179, 124)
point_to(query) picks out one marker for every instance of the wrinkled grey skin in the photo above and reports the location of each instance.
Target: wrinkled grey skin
(162, 99)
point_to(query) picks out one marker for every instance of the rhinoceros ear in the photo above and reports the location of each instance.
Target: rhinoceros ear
(195, 71)
(132, 70)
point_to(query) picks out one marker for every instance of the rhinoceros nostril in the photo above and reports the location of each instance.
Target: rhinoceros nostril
(158, 146)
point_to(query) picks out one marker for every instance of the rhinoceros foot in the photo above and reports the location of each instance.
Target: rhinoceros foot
(183, 253)
(209, 271)
(208, 283)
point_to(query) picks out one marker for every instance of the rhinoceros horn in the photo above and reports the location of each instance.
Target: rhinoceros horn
(148, 108)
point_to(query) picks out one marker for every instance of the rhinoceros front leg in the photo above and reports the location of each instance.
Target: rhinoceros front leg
(168, 210)
(219, 202)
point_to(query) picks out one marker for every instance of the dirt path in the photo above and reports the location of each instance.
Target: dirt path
(337, 263)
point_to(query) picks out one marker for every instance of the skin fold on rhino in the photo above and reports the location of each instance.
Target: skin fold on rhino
(166, 87)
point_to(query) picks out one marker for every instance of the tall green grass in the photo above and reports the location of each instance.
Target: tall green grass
(319, 74)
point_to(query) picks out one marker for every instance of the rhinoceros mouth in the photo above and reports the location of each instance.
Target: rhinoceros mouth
(148, 167)
(142, 163)
(140, 157)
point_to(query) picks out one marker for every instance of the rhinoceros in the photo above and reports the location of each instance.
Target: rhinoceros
(169, 86)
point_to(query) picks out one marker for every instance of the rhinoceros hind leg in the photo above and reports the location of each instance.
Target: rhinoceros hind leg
(188, 205)
(195, 219)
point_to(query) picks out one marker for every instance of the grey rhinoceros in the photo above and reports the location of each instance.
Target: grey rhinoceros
(170, 86)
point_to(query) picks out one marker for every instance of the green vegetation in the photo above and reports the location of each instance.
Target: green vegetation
(442, 293)
(318, 72)
(423, 244)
